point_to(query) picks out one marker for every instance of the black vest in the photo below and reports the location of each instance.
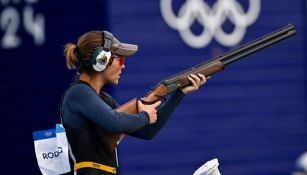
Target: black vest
(89, 144)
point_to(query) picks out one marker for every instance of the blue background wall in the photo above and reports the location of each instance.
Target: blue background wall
(251, 116)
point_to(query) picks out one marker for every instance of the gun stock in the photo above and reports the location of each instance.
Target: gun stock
(206, 68)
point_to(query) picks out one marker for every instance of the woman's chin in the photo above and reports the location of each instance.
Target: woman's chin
(115, 82)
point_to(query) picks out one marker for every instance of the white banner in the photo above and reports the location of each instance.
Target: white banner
(51, 149)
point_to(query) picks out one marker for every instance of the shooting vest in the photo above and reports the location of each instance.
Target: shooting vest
(89, 147)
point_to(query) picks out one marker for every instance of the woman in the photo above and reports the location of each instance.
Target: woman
(88, 113)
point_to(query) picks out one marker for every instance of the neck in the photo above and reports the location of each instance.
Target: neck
(94, 81)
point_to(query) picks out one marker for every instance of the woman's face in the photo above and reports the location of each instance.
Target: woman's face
(115, 69)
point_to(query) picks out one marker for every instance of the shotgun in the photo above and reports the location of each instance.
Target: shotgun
(206, 68)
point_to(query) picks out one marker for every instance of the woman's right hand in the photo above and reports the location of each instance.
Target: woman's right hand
(150, 109)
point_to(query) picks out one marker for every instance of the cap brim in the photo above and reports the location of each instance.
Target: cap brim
(123, 49)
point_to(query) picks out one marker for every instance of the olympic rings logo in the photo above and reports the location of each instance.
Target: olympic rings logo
(211, 19)
(48, 134)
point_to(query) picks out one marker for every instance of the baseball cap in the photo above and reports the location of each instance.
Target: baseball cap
(123, 49)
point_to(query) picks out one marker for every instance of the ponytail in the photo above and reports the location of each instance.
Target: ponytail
(81, 52)
(71, 57)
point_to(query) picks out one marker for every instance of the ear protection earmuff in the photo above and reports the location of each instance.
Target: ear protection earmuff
(102, 56)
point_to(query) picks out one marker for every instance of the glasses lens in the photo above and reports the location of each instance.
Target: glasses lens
(121, 61)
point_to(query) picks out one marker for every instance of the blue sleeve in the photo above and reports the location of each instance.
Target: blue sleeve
(113, 102)
(164, 114)
(82, 100)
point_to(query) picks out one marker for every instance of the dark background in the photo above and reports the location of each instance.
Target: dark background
(251, 116)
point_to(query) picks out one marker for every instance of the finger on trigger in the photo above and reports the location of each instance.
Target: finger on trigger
(157, 103)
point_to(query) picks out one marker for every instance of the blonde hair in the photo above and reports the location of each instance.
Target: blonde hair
(76, 54)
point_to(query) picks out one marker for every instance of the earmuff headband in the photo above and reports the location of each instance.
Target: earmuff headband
(108, 38)
(101, 57)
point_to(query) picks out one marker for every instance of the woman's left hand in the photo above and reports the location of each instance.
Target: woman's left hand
(196, 81)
